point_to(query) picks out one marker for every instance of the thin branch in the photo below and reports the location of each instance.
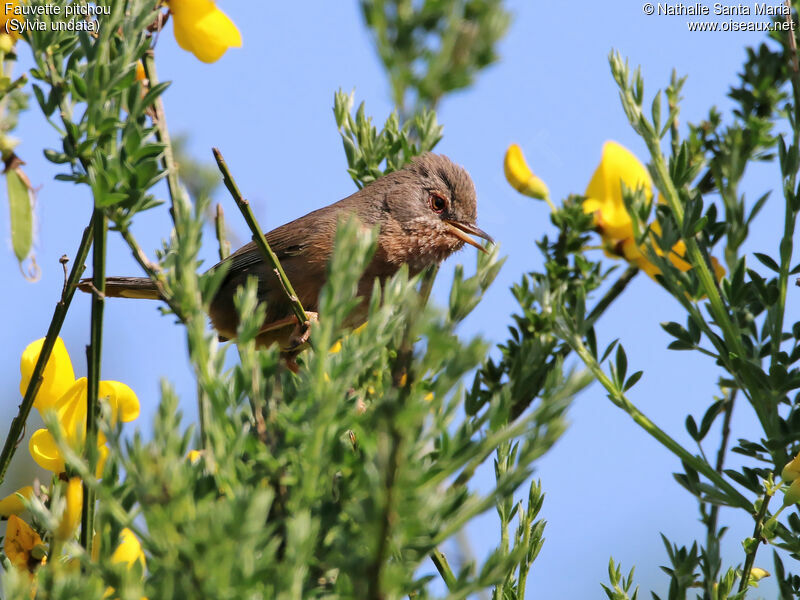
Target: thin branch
(608, 298)
(620, 400)
(713, 513)
(17, 83)
(613, 292)
(219, 226)
(93, 355)
(750, 559)
(152, 269)
(790, 215)
(162, 133)
(258, 237)
(60, 312)
(387, 518)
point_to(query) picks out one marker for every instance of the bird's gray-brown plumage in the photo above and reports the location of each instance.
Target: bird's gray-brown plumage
(424, 213)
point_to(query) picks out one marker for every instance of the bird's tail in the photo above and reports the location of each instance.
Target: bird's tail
(125, 287)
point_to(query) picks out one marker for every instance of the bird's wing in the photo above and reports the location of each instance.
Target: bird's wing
(284, 241)
(295, 238)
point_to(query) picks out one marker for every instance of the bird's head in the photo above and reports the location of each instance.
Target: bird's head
(435, 204)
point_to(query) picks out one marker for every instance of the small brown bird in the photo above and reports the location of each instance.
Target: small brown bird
(424, 213)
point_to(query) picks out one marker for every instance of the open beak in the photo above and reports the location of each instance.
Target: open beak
(460, 230)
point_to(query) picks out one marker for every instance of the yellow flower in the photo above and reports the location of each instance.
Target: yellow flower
(58, 375)
(604, 192)
(127, 552)
(140, 74)
(62, 394)
(203, 29)
(637, 255)
(129, 549)
(719, 270)
(604, 199)
(792, 470)
(13, 504)
(23, 546)
(6, 15)
(520, 176)
(71, 516)
(337, 346)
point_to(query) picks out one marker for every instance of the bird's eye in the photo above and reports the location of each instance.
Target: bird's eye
(437, 203)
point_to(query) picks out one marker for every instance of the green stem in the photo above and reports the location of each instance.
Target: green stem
(17, 428)
(258, 237)
(750, 559)
(621, 401)
(608, 298)
(712, 537)
(152, 269)
(732, 350)
(524, 564)
(17, 83)
(374, 585)
(761, 403)
(790, 216)
(94, 353)
(440, 561)
(613, 292)
(162, 133)
(552, 206)
(426, 285)
(499, 590)
(723, 448)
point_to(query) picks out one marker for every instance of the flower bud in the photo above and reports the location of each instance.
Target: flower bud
(792, 469)
(71, 516)
(792, 495)
(6, 43)
(520, 176)
(757, 574)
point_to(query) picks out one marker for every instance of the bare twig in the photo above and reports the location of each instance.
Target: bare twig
(258, 237)
(60, 312)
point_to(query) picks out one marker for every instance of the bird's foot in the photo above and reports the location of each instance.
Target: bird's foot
(302, 332)
(298, 339)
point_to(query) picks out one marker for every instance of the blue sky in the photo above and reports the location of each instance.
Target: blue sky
(267, 106)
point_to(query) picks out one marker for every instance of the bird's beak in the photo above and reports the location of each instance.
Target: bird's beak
(460, 230)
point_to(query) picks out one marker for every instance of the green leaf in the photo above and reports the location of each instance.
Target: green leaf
(632, 380)
(699, 225)
(608, 350)
(767, 261)
(677, 331)
(78, 86)
(19, 201)
(708, 419)
(622, 363)
(56, 157)
(154, 93)
(691, 427)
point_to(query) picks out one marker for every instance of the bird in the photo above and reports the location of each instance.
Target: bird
(424, 212)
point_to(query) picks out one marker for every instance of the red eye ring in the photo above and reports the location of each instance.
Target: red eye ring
(437, 203)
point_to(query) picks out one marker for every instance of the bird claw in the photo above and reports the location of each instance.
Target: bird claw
(298, 341)
(302, 332)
